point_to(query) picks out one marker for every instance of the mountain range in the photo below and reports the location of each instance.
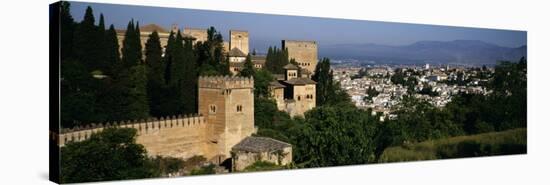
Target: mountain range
(457, 51)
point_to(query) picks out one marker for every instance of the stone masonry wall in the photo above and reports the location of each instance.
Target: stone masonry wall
(180, 137)
(243, 159)
(304, 52)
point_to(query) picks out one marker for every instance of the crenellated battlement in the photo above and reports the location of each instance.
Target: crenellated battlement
(226, 82)
(143, 126)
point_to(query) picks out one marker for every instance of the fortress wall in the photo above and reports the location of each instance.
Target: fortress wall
(304, 52)
(180, 137)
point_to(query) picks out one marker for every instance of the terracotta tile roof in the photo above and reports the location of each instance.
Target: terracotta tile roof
(236, 52)
(300, 81)
(276, 84)
(291, 67)
(260, 144)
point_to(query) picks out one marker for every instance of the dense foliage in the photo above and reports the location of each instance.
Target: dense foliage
(263, 166)
(248, 68)
(495, 143)
(100, 84)
(108, 155)
(333, 136)
(276, 59)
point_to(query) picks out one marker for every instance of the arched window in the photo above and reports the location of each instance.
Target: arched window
(239, 108)
(212, 109)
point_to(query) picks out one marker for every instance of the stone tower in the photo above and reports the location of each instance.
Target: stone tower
(304, 52)
(239, 40)
(227, 103)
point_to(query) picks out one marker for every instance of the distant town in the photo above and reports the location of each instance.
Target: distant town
(435, 84)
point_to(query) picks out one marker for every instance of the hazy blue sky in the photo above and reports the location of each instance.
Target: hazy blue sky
(268, 30)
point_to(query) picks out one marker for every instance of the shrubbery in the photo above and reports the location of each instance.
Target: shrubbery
(495, 143)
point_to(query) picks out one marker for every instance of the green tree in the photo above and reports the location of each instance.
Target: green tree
(262, 78)
(87, 40)
(67, 29)
(190, 77)
(276, 59)
(137, 104)
(333, 136)
(102, 63)
(79, 104)
(109, 155)
(210, 57)
(248, 68)
(272, 122)
(168, 57)
(131, 46)
(328, 91)
(112, 53)
(323, 77)
(155, 74)
(391, 133)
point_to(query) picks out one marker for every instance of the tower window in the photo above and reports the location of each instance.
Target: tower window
(239, 108)
(212, 109)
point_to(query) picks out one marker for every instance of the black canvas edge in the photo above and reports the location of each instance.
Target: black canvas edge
(54, 86)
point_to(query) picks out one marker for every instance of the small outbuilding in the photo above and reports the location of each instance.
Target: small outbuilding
(253, 149)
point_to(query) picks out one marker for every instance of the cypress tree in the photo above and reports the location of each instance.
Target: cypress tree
(168, 57)
(101, 24)
(67, 29)
(86, 41)
(112, 53)
(155, 74)
(178, 59)
(128, 47)
(153, 56)
(284, 58)
(138, 106)
(137, 37)
(174, 73)
(269, 60)
(248, 68)
(323, 77)
(131, 46)
(102, 63)
(189, 81)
